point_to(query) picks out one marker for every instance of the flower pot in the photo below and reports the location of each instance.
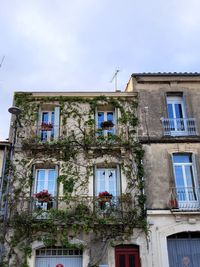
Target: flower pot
(173, 204)
(107, 125)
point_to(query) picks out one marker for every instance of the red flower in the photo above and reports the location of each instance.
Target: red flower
(105, 194)
(43, 195)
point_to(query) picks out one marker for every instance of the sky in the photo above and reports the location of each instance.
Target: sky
(77, 45)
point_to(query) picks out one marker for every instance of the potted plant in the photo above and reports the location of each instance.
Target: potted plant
(43, 196)
(107, 125)
(46, 126)
(173, 203)
(103, 198)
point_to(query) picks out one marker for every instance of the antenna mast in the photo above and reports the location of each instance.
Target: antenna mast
(115, 77)
(2, 61)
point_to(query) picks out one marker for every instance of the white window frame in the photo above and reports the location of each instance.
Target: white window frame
(49, 133)
(46, 180)
(187, 202)
(56, 123)
(105, 112)
(107, 173)
(177, 100)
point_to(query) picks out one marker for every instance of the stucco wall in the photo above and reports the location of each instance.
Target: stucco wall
(153, 96)
(159, 177)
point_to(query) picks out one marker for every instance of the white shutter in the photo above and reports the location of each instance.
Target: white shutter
(56, 122)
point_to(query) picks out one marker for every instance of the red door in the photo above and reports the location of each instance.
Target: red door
(127, 256)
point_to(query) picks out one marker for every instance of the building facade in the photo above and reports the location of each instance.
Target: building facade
(169, 133)
(76, 196)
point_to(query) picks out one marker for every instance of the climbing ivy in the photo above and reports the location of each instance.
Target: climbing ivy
(76, 152)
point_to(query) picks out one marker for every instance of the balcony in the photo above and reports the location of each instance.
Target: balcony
(179, 127)
(117, 207)
(185, 199)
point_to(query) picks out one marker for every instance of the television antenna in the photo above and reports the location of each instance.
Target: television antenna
(2, 61)
(115, 78)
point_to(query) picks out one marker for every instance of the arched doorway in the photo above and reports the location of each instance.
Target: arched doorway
(127, 256)
(184, 249)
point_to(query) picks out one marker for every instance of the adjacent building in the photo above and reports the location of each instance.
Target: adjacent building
(169, 133)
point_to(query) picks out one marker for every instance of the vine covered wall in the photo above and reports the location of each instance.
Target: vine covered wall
(80, 148)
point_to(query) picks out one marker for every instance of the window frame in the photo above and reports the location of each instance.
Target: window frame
(177, 125)
(46, 180)
(105, 112)
(184, 194)
(49, 134)
(118, 180)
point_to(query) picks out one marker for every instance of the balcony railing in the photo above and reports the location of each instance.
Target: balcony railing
(179, 127)
(185, 198)
(117, 207)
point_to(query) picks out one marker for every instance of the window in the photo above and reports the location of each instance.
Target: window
(176, 113)
(46, 180)
(107, 180)
(49, 124)
(177, 123)
(106, 122)
(185, 180)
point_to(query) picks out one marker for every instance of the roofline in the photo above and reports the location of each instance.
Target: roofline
(77, 94)
(166, 77)
(166, 74)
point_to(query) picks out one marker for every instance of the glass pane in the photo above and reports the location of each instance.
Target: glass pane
(179, 176)
(182, 158)
(52, 117)
(100, 181)
(110, 116)
(180, 186)
(45, 116)
(112, 182)
(189, 176)
(122, 261)
(51, 181)
(178, 111)
(43, 135)
(131, 261)
(190, 183)
(40, 181)
(100, 118)
(170, 111)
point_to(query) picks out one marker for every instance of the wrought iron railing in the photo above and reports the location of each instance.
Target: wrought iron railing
(179, 127)
(185, 198)
(118, 134)
(116, 206)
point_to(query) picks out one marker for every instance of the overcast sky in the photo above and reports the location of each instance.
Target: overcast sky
(76, 45)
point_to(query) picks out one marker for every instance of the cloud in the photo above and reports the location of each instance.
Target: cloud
(77, 45)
